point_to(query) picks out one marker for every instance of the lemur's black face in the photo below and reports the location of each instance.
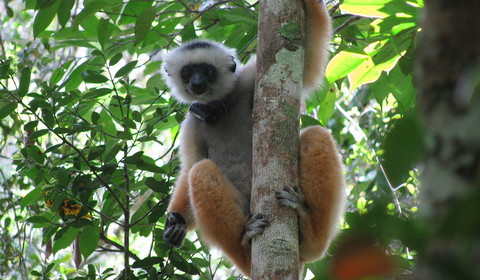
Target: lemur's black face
(198, 78)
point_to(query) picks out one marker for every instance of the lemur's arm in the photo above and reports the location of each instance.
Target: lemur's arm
(180, 216)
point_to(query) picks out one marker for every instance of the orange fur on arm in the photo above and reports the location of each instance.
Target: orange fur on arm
(180, 201)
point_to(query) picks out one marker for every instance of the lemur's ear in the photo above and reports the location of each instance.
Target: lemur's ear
(165, 67)
(233, 66)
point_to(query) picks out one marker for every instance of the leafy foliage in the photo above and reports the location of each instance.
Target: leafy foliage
(89, 134)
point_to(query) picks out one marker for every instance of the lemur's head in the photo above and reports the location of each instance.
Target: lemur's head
(200, 71)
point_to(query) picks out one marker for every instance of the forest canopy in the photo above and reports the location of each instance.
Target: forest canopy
(89, 136)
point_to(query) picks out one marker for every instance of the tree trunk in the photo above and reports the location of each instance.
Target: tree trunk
(449, 104)
(275, 135)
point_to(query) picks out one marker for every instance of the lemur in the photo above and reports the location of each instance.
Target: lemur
(212, 191)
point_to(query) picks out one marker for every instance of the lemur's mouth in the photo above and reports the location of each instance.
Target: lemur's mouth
(197, 89)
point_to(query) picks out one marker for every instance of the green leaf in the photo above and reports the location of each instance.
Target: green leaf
(64, 11)
(107, 123)
(369, 70)
(402, 88)
(4, 70)
(42, 4)
(89, 239)
(368, 8)
(96, 152)
(126, 69)
(129, 123)
(95, 117)
(155, 82)
(62, 130)
(64, 238)
(35, 153)
(201, 262)
(49, 268)
(148, 261)
(93, 77)
(90, 9)
(30, 125)
(143, 24)
(110, 154)
(181, 263)
(403, 148)
(157, 212)
(154, 184)
(380, 88)
(104, 31)
(37, 134)
(36, 273)
(31, 198)
(327, 107)
(308, 121)
(44, 17)
(96, 93)
(48, 118)
(9, 10)
(24, 81)
(38, 220)
(7, 109)
(148, 166)
(115, 59)
(137, 116)
(342, 64)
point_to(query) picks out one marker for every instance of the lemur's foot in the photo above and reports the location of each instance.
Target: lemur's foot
(291, 197)
(255, 225)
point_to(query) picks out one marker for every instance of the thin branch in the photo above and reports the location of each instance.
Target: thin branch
(364, 136)
(346, 23)
(118, 246)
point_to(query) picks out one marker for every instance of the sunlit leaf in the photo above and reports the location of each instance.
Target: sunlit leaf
(44, 17)
(143, 24)
(31, 198)
(344, 63)
(368, 8)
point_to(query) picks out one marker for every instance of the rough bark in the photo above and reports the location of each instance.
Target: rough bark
(449, 103)
(275, 135)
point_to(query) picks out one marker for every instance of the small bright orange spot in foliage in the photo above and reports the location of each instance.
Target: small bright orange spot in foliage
(357, 259)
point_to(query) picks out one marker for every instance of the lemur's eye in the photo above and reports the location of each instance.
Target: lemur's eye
(211, 71)
(185, 72)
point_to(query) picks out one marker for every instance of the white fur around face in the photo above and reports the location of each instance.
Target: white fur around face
(217, 55)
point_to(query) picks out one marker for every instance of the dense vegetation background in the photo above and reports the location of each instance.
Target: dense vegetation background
(89, 136)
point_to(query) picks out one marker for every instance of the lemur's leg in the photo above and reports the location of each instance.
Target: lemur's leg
(216, 204)
(320, 201)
